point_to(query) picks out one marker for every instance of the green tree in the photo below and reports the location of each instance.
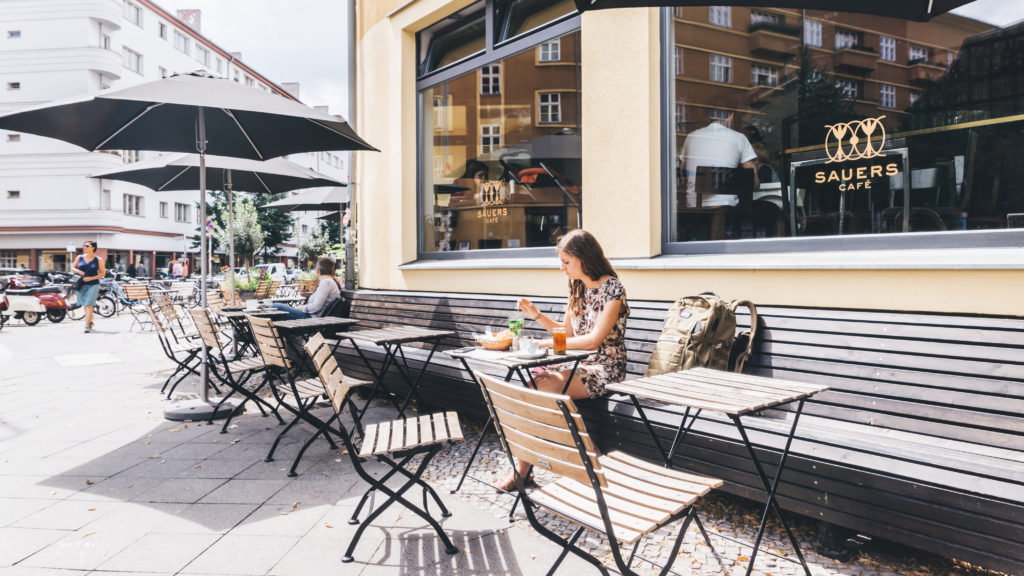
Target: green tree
(248, 229)
(313, 246)
(821, 102)
(215, 209)
(276, 225)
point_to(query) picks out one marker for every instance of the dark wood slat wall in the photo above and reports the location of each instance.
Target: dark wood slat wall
(919, 440)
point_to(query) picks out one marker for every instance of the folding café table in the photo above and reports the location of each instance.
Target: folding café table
(243, 333)
(391, 338)
(304, 327)
(735, 395)
(514, 364)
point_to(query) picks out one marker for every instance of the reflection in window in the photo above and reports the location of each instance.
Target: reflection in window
(720, 16)
(677, 60)
(721, 68)
(498, 175)
(551, 51)
(490, 79)
(516, 17)
(806, 157)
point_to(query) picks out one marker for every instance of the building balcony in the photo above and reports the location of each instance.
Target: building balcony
(773, 44)
(924, 72)
(106, 11)
(99, 60)
(762, 95)
(855, 61)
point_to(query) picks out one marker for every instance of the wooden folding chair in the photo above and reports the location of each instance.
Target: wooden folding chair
(262, 289)
(172, 319)
(402, 439)
(273, 288)
(297, 396)
(238, 374)
(136, 297)
(185, 355)
(615, 494)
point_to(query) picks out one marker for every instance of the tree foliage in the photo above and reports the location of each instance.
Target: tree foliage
(822, 102)
(276, 224)
(249, 234)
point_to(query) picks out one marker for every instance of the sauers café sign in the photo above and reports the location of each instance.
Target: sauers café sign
(856, 140)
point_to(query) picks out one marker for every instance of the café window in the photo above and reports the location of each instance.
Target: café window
(500, 173)
(828, 144)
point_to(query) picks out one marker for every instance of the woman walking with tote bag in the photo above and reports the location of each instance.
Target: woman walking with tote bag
(90, 267)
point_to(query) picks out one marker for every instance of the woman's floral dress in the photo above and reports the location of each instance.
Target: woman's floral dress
(608, 364)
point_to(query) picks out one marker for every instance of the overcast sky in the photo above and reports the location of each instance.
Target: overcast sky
(287, 41)
(304, 40)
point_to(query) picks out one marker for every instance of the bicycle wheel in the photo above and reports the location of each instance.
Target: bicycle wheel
(105, 307)
(76, 312)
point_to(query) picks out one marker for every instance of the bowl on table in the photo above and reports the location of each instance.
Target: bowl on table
(499, 341)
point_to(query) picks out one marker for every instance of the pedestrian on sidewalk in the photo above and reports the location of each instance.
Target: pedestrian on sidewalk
(91, 268)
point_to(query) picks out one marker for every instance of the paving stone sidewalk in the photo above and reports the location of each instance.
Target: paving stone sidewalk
(93, 480)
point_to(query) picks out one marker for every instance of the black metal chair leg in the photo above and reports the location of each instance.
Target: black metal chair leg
(565, 550)
(323, 430)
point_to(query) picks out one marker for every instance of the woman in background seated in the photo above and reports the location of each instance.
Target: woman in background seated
(327, 292)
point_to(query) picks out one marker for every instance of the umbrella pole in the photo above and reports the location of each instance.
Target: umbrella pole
(231, 238)
(201, 409)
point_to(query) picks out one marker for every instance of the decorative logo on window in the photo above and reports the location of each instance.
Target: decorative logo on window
(854, 140)
(493, 193)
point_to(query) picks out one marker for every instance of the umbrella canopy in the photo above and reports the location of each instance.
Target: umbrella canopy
(921, 10)
(181, 172)
(313, 200)
(242, 121)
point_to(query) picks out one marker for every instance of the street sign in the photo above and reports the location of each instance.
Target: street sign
(71, 247)
(209, 225)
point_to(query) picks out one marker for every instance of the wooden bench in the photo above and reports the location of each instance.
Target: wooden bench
(920, 439)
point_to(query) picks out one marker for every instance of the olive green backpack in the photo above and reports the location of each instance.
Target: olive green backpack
(700, 331)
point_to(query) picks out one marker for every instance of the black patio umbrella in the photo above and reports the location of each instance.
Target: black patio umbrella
(921, 10)
(189, 113)
(171, 172)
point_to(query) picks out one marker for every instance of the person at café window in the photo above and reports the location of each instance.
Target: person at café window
(327, 292)
(594, 319)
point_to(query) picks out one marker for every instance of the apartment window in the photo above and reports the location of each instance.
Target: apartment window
(721, 68)
(237, 76)
(845, 39)
(550, 108)
(13, 34)
(182, 212)
(163, 72)
(305, 229)
(133, 13)
(680, 117)
(720, 16)
(220, 66)
(490, 79)
(757, 17)
(918, 53)
(812, 33)
(887, 96)
(132, 205)
(849, 88)
(551, 51)
(105, 199)
(163, 209)
(250, 81)
(202, 56)
(14, 85)
(719, 115)
(677, 60)
(887, 48)
(130, 156)
(9, 258)
(132, 60)
(14, 193)
(105, 41)
(490, 137)
(180, 42)
(14, 137)
(761, 75)
(162, 30)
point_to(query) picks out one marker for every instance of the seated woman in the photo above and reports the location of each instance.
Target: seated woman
(327, 292)
(595, 319)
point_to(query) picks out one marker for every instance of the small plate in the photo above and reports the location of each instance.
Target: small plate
(527, 356)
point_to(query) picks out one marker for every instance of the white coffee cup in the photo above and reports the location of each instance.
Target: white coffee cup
(252, 304)
(528, 346)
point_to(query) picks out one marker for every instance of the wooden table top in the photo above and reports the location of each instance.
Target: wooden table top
(509, 359)
(263, 313)
(396, 335)
(302, 324)
(726, 392)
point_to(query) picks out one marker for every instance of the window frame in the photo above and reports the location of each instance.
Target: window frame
(813, 30)
(494, 52)
(816, 244)
(135, 9)
(182, 212)
(725, 65)
(127, 55)
(185, 47)
(723, 15)
(139, 208)
(885, 91)
(554, 105)
(887, 48)
(490, 76)
(554, 48)
(492, 135)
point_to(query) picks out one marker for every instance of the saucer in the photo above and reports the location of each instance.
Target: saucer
(534, 356)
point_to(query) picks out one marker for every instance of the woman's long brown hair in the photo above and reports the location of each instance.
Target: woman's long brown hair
(583, 245)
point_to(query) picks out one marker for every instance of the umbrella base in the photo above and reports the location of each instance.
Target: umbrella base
(197, 410)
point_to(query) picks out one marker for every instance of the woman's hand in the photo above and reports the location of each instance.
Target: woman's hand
(528, 308)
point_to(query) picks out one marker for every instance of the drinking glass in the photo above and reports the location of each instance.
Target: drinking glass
(515, 322)
(558, 339)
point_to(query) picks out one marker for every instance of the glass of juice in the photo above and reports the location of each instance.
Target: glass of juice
(558, 337)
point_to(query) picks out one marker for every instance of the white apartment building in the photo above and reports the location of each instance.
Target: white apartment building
(53, 49)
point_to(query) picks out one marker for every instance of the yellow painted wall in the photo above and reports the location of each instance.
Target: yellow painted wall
(621, 178)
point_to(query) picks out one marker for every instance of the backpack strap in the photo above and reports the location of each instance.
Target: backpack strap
(741, 358)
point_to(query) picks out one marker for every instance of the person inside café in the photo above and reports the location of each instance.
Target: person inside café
(594, 319)
(707, 157)
(328, 291)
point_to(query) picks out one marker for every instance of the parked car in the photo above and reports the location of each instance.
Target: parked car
(291, 275)
(276, 271)
(17, 278)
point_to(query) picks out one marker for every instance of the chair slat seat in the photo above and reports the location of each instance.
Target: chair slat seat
(409, 433)
(245, 365)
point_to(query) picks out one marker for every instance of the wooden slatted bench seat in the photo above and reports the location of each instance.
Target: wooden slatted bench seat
(919, 440)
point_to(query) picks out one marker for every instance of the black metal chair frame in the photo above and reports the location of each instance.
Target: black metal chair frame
(188, 363)
(339, 395)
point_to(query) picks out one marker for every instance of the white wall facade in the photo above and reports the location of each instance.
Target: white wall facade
(53, 49)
